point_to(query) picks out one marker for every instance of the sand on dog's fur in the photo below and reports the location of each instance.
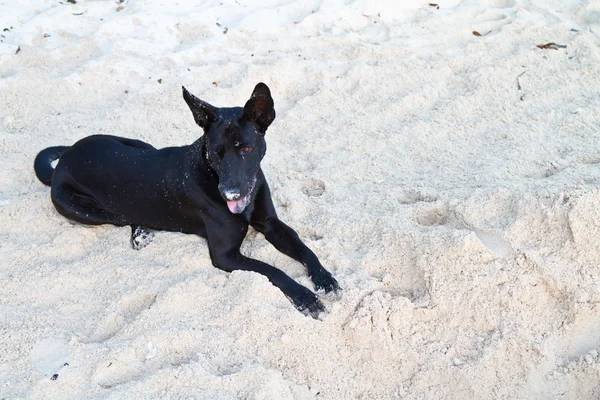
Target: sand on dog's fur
(449, 181)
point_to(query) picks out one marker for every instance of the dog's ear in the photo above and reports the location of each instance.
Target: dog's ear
(203, 112)
(260, 108)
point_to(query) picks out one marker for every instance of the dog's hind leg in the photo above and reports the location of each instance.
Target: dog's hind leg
(80, 207)
(140, 237)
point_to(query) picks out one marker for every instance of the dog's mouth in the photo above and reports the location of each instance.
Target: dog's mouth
(238, 206)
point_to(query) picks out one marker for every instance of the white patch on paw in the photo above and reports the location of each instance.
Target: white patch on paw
(141, 238)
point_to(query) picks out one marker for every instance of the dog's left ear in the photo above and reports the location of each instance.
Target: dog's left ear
(260, 109)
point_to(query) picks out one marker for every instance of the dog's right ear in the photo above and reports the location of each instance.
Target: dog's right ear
(203, 112)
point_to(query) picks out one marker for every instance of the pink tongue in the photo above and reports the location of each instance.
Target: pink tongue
(238, 206)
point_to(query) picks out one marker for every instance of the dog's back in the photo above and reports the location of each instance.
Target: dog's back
(126, 178)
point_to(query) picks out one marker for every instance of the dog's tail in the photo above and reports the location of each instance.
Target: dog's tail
(42, 164)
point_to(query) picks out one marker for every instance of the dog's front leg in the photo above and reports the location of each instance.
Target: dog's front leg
(224, 243)
(287, 241)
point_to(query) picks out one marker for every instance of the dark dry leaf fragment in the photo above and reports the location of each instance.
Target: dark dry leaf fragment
(215, 83)
(18, 50)
(225, 31)
(120, 8)
(551, 45)
(160, 80)
(435, 5)
(6, 30)
(72, 1)
(479, 34)
(54, 377)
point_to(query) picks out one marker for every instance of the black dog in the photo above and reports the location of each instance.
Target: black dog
(213, 188)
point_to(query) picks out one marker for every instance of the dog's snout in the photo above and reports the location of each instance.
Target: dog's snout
(231, 194)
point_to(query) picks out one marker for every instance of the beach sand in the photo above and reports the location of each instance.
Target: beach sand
(449, 180)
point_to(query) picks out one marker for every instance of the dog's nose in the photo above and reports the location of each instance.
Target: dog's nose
(231, 194)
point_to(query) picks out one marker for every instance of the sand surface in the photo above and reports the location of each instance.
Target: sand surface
(449, 181)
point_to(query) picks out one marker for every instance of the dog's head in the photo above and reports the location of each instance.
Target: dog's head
(235, 142)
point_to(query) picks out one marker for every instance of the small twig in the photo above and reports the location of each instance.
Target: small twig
(518, 84)
(435, 5)
(551, 45)
(18, 50)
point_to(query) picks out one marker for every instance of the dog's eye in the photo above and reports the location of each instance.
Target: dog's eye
(246, 149)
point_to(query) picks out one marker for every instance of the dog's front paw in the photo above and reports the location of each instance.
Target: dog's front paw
(325, 282)
(307, 303)
(140, 237)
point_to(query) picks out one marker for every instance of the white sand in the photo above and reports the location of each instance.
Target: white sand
(460, 214)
